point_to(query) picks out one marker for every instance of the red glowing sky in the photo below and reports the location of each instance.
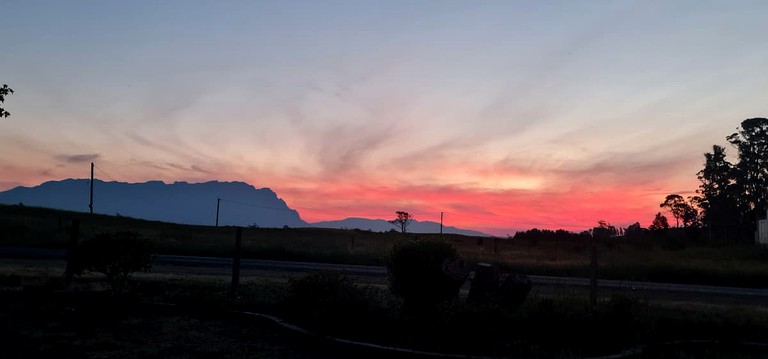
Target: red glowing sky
(504, 116)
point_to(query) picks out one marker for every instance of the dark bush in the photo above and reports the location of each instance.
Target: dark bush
(10, 280)
(625, 309)
(322, 298)
(424, 272)
(13, 231)
(116, 255)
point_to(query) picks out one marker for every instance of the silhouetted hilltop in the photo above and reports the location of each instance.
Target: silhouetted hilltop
(179, 202)
(380, 225)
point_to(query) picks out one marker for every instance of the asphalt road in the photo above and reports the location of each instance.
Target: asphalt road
(222, 266)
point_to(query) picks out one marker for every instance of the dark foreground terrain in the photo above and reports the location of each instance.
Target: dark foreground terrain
(189, 312)
(168, 316)
(672, 256)
(97, 325)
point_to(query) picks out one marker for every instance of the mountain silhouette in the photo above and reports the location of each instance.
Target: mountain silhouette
(178, 202)
(192, 203)
(380, 225)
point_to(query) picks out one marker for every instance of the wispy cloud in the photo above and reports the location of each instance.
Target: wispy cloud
(199, 169)
(343, 148)
(191, 168)
(77, 158)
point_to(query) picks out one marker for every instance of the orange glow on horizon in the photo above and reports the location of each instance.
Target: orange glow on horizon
(490, 197)
(494, 212)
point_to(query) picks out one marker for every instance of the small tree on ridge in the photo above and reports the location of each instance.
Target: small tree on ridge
(402, 221)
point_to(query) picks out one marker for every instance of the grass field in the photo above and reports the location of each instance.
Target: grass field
(650, 259)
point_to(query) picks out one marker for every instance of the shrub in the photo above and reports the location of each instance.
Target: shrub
(116, 255)
(10, 280)
(13, 231)
(418, 271)
(324, 298)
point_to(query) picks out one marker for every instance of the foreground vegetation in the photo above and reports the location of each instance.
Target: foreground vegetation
(671, 257)
(88, 321)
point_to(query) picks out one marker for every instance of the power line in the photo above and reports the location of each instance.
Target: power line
(104, 173)
(128, 185)
(256, 205)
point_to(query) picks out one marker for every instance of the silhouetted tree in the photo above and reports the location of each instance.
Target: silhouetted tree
(535, 235)
(751, 141)
(691, 216)
(659, 222)
(681, 209)
(634, 230)
(718, 195)
(4, 91)
(634, 227)
(604, 230)
(674, 204)
(402, 221)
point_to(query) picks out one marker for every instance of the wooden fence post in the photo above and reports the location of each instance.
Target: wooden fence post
(236, 263)
(74, 236)
(593, 277)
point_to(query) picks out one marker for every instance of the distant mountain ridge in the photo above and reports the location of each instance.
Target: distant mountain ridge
(192, 203)
(380, 225)
(179, 202)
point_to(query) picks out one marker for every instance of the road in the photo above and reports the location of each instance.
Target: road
(222, 266)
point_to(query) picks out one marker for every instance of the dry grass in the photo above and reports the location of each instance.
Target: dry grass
(638, 260)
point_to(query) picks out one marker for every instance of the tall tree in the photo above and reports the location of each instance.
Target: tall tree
(718, 194)
(659, 222)
(675, 204)
(681, 209)
(751, 141)
(4, 91)
(690, 214)
(402, 221)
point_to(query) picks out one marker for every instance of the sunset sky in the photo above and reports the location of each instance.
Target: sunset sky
(504, 115)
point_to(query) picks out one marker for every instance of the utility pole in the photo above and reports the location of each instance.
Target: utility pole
(218, 202)
(90, 206)
(441, 222)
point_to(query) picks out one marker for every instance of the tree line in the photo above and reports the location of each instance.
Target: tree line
(731, 197)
